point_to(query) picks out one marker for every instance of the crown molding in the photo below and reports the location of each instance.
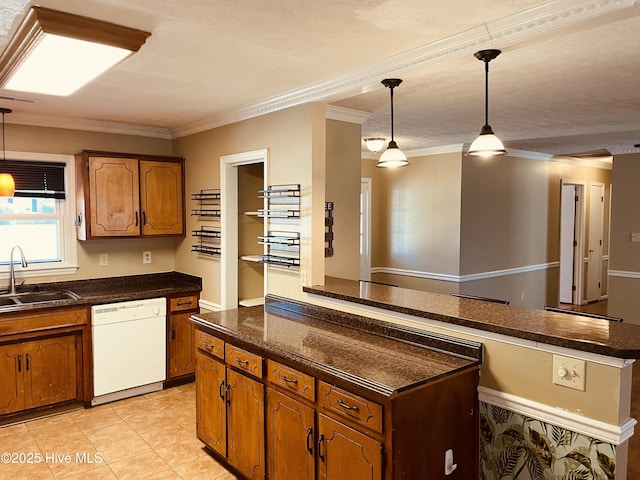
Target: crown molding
(585, 162)
(346, 114)
(439, 150)
(528, 154)
(89, 125)
(508, 31)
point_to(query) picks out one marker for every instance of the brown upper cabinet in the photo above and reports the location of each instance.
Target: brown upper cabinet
(129, 195)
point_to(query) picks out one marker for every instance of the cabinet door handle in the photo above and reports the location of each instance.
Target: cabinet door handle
(320, 440)
(309, 440)
(136, 219)
(19, 363)
(222, 390)
(242, 362)
(289, 380)
(355, 408)
(144, 217)
(173, 332)
(27, 358)
(227, 394)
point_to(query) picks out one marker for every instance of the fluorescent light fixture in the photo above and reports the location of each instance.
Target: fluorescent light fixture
(56, 53)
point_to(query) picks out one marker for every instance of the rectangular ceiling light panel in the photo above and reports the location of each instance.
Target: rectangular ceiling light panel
(56, 53)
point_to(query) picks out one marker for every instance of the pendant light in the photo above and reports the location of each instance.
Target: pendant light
(7, 184)
(392, 157)
(487, 144)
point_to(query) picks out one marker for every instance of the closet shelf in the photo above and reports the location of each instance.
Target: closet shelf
(279, 213)
(251, 302)
(251, 258)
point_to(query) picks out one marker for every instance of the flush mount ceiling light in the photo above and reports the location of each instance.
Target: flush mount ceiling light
(56, 53)
(7, 184)
(487, 144)
(374, 144)
(392, 157)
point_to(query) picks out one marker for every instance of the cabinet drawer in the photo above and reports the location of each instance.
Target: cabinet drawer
(188, 302)
(210, 344)
(352, 406)
(291, 379)
(246, 361)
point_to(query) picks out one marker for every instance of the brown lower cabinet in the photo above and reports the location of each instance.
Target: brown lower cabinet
(313, 428)
(37, 373)
(44, 358)
(230, 410)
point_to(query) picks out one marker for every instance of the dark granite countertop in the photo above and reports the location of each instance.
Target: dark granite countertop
(109, 290)
(375, 361)
(620, 340)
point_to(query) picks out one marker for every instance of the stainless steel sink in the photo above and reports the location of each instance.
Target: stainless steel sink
(8, 300)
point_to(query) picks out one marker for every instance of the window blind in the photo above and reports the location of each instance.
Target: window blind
(36, 179)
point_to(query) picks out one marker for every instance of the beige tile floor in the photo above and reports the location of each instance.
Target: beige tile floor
(150, 437)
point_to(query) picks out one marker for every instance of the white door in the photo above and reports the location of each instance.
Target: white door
(567, 243)
(596, 219)
(365, 229)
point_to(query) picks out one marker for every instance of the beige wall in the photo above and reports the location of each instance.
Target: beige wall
(295, 139)
(343, 189)
(475, 217)
(625, 255)
(125, 255)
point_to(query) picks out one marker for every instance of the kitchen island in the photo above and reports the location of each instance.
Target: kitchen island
(346, 396)
(555, 389)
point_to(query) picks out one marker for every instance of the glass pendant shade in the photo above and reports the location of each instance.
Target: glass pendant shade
(486, 145)
(392, 157)
(7, 185)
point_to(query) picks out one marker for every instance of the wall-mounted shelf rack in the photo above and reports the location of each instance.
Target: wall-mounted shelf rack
(209, 240)
(281, 260)
(283, 201)
(328, 225)
(280, 239)
(209, 203)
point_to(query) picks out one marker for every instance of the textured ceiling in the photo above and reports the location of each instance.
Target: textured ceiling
(565, 83)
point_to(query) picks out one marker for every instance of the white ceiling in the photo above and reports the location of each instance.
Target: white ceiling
(566, 82)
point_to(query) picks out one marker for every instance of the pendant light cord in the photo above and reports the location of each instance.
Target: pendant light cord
(486, 92)
(390, 88)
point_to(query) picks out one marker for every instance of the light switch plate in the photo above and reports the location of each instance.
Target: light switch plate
(103, 260)
(569, 372)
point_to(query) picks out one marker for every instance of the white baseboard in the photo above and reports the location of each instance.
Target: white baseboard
(614, 434)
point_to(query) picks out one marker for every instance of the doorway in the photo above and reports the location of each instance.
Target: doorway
(596, 228)
(365, 229)
(571, 241)
(230, 206)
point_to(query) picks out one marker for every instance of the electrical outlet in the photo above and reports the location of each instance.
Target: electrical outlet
(103, 260)
(635, 237)
(569, 372)
(146, 257)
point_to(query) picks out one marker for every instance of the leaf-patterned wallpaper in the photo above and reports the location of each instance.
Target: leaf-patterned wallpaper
(517, 447)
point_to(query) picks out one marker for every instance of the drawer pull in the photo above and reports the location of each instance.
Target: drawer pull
(289, 380)
(207, 345)
(309, 437)
(355, 408)
(242, 362)
(181, 303)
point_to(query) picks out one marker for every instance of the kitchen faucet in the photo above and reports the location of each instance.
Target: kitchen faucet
(12, 272)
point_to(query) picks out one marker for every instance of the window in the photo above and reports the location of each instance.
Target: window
(39, 218)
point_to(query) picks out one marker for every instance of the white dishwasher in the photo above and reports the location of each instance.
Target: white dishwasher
(129, 348)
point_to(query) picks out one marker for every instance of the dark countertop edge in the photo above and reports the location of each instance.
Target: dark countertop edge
(176, 283)
(580, 345)
(435, 341)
